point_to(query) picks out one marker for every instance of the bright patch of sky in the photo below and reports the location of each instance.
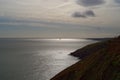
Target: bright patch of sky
(59, 18)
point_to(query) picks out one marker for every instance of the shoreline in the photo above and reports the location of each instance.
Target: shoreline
(95, 59)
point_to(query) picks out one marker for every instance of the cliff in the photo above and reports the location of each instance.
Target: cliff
(100, 61)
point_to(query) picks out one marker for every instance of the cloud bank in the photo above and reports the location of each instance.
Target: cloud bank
(90, 2)
(85, 14)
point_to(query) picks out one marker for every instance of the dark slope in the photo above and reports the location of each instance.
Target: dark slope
(101, 61)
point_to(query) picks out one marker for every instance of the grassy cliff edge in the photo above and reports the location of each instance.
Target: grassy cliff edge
(100, 61)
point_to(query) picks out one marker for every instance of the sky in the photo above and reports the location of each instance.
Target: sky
(59, 18)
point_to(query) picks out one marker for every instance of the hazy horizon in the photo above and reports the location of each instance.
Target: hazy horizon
(59, 37)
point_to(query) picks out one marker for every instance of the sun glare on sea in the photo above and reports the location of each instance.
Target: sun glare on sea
(69, 39)
(59, 40)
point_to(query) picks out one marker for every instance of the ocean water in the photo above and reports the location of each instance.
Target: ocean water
(36, 59)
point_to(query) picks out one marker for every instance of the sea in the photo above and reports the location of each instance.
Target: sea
(37, 59)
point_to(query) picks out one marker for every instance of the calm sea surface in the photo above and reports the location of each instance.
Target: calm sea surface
(36, 59)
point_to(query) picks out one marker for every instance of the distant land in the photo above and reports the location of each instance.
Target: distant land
(99, 61)
(98, 39)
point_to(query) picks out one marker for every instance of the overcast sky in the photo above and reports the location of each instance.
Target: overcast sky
(59, 18)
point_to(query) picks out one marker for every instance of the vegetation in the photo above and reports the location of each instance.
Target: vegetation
(100, 61)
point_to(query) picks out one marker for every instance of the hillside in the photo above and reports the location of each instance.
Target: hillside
(100, 61)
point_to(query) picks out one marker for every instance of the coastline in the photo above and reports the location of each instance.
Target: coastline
(100, 61)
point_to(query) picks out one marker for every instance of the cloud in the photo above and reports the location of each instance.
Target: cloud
(90, 2)
(85, 14)
(78, 14)
(90, 13)
(117, 1)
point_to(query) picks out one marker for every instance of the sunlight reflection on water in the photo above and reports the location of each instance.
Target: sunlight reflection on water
(59, 40)
(36, 59)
